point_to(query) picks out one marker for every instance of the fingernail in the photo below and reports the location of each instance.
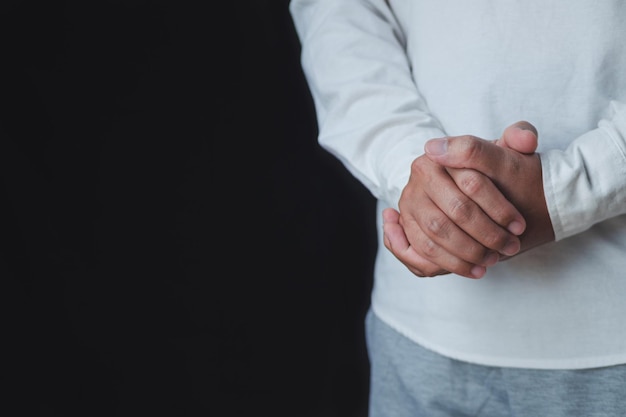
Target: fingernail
(511, 248)
(478, 271)
(438, 146)
(517, 228)
(490, 259)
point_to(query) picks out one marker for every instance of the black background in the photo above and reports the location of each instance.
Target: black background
(174, 241)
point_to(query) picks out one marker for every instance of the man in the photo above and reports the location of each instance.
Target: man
(399, 86)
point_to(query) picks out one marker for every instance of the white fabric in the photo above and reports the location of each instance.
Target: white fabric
(387, 76)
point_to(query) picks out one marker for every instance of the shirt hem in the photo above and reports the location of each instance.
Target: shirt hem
(506, 362)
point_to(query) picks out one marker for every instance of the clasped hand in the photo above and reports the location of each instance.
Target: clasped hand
(470, 203)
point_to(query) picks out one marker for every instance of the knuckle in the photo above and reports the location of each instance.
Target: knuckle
(432, 272)
(470, 147)
(438, 226)
(471, 183)
(430, 248)
(502, 216)
(496, 240)
(417, 272)
(418, 165)
(424, 169)
(478, 255)
(472, 252)
(458, 267)
(424, 270)
(461, 210)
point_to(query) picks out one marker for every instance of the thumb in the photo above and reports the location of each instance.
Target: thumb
(521, 137)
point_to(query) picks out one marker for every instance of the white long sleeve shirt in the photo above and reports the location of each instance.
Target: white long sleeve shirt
(387, 76)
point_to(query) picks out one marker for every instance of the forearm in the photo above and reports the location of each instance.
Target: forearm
(586, 183)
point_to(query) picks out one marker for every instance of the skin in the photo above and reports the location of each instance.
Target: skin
(470, 203)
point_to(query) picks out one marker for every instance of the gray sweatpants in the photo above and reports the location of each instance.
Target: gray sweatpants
(408, 380)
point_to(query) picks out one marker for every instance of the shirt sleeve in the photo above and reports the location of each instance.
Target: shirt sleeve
(586, 183)
(369, 111)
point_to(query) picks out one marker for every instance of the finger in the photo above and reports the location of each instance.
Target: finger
(390, 216)
(524, 125)
(449, 222)
(461, 228)
(470, 152)
(521, 137)
(396, 242)
(436, 238)
(482, 191)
